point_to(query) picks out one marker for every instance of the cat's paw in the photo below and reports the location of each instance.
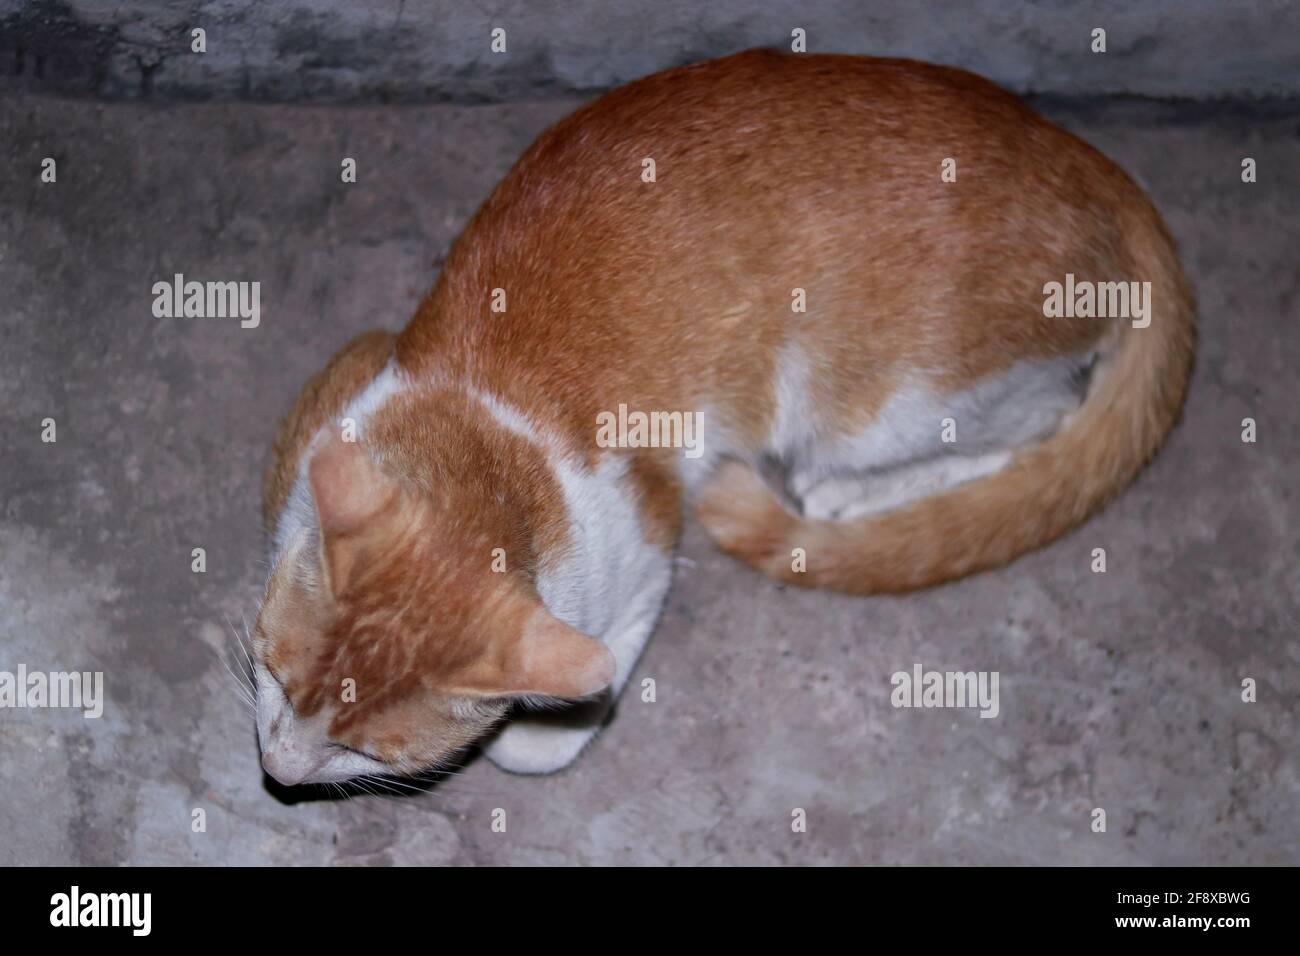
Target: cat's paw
(527, 746)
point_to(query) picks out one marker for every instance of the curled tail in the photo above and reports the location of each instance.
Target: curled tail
(1045, 490)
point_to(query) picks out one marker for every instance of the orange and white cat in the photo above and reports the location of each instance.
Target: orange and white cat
(836, 268)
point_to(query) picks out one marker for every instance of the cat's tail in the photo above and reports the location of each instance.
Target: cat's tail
(1045, 490)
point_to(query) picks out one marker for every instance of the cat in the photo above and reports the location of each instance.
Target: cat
(835, 267)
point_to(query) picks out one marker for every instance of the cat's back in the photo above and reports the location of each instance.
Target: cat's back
(755, 158)
(787, 123)
(691, 202)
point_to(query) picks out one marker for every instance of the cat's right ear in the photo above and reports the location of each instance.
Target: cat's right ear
(547, 658)
(351, 493)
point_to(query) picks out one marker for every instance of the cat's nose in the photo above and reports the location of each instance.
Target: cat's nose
(284, 771)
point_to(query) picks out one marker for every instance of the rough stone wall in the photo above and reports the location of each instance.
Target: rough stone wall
(439, 50)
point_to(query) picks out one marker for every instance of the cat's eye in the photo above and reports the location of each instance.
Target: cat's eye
(352, 750)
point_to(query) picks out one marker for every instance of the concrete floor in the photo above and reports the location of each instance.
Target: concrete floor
(1119, 690)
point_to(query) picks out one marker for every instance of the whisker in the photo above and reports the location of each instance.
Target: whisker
(243, 692)
(247, 681)
(384, 789)
(390, 782)
(252, 668)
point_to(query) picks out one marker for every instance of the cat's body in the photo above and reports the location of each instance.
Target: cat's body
(826, 436)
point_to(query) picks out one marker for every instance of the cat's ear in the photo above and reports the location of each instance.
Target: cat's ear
(351, 493)
(548, 659)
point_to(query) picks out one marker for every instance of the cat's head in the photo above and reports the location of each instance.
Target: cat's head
(386, 642)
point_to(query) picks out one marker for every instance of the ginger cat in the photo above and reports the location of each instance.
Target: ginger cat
(839, 270)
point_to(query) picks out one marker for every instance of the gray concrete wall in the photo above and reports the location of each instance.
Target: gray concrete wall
(438, 50)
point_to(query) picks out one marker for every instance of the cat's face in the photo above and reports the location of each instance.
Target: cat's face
(386, 643)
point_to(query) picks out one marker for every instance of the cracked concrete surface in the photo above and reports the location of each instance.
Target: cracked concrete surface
(1118, 690)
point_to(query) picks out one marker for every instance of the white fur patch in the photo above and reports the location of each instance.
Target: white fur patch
(1025, 404)
(844, 499)
(791, 432)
